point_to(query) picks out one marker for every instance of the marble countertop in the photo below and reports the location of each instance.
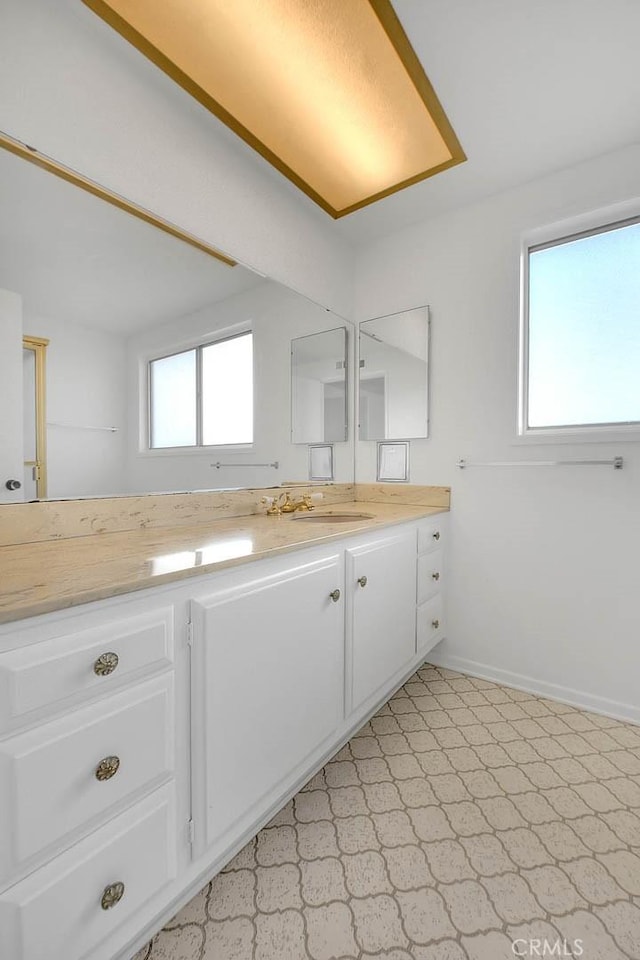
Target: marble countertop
(37, 578)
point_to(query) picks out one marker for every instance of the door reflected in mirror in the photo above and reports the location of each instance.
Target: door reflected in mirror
(319, 387)
(393, 376)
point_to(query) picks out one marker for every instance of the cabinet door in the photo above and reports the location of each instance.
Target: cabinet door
(381, 583)
(268, 687)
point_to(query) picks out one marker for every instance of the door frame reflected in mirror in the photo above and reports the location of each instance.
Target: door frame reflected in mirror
(38, 345)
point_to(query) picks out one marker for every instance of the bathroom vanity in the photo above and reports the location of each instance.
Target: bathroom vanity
(149, 728)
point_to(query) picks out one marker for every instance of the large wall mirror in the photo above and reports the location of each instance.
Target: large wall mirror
(319, 387)
(393, 376)
(166, 369)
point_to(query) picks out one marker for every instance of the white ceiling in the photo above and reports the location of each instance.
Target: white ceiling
(530, 86)
(74, 257)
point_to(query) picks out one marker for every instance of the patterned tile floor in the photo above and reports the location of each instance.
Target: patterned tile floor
(465, 820)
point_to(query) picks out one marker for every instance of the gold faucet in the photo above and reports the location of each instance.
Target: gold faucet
(284, 504)
(290, 506)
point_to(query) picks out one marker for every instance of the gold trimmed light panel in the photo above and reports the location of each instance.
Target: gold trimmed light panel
(328, 91)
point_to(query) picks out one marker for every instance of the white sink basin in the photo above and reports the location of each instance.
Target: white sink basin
(331, 517)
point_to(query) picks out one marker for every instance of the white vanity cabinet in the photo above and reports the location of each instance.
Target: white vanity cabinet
(381, 589)
(284, 664)
(218, 696)
(267, 690)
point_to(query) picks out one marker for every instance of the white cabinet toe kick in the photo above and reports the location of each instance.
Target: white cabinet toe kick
(144, 739)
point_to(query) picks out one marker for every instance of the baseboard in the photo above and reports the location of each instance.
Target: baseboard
(554, 691)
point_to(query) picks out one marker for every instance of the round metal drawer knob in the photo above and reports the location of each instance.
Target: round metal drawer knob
(436, 535)
(362, 581)
(435, 576)
(105, 664)
(335, 595)
(107, 768)
(112, 895)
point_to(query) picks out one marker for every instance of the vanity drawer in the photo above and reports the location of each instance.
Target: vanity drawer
(432, 534)
(61, 911)
(430, 575)
(430, 623)
(40, 675)
(58, 777)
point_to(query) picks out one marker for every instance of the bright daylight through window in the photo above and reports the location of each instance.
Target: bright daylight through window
(582, 331)
(204, 396)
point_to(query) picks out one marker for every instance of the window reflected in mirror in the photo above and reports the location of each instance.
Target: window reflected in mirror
(393, 376)
(203, 397)
(227, 391)
(172, 400)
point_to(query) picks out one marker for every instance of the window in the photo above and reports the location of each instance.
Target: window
(580, 345)
(204, 396)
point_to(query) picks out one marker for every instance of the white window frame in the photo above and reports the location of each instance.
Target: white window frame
(596, 221)
(145, 449)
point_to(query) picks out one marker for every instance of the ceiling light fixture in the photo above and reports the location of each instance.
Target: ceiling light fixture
(330, 92)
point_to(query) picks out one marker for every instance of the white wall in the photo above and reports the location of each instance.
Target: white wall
(77, 91)
(86, 387)
(11, 454)
(544, 561)
(275, 315)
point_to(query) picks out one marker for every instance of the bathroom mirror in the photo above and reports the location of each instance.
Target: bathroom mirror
(393, 376)
(319, 387)
(112, 293)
